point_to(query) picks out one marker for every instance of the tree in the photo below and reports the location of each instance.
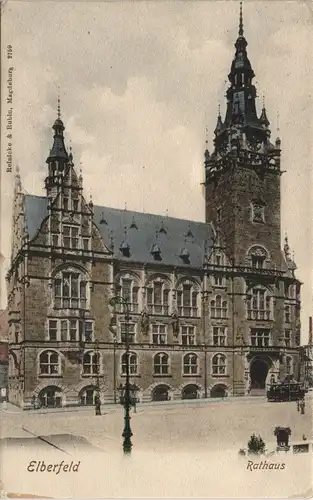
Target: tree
(256, 445)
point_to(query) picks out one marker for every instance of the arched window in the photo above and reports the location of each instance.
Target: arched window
(70, 290)
(158, 297)
(87, 395)
(50, 397)
(259, 304)
(129, 291)
(49, 363)
(91, 363)
(219, 364)
(133, 363)
(287, 314)
(218, 308)
(187, 299)
(257, 256)
(289, 369)
(161, 364)
(190, 364)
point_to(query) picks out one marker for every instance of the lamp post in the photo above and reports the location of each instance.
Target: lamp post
(127, 432)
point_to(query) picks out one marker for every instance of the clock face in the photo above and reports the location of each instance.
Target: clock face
(254, 144)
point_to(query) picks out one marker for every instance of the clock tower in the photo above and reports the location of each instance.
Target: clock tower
(242, 175)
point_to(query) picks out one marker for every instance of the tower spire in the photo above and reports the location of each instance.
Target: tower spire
(59, 107)
(240, 21)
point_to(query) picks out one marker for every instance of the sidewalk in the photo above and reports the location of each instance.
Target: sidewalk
(12, 409)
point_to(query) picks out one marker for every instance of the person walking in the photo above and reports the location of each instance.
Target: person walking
(97, 405)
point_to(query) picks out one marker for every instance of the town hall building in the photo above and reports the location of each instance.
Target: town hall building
(214, 306)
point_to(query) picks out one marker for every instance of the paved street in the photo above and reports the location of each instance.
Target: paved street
(192, 441)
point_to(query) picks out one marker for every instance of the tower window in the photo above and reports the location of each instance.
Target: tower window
(218, 215)
(257, 261)
(258, 212)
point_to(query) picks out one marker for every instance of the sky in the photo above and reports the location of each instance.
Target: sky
(139, 83)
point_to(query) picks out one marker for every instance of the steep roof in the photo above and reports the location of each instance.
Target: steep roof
(135, 234)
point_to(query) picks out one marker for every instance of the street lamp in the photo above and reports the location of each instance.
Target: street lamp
(127, 401)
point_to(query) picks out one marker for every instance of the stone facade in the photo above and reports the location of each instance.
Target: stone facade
(214, 307)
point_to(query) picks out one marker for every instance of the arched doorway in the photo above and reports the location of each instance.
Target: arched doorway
(218, 391)
(160, 393)
(258, 372)
(190, 391)
(87, 395)
(50, 397)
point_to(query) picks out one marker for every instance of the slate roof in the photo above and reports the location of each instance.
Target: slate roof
(137, 233)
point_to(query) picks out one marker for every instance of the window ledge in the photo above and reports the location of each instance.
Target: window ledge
(192, 375)
(137, 375)
(161, 375)
(89, 375)
(215, 375)
(46, 375)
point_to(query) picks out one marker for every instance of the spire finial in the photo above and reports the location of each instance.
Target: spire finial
(277, 122)
(263, 101)
(206, 135)
(219, 109)
(59, 106)
(240, 21)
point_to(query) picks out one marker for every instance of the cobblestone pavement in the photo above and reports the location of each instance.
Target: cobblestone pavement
(184, 450)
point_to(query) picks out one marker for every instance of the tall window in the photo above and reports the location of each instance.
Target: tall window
(218, 308)
(70, 237)
(187, 298)
(133, 365)
(70, 329)
(288, 338)
(128, 331)
(159, 334)
(91, 363)
(190, 364)
(70, 291)
(287, 314)
(49, 363)
(188, 336)
(257, 256)
(218, 280)
(219, 335)
(219, 364)
(53, 329)
(259, 304)
(260, 338)
(161, 364)
(158, 298)
(129, 292)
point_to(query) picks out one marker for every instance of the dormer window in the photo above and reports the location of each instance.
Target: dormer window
(162, 229)
(258, 212)
(125, 249)
(189, 233)
(102, 220)
(184, 255)
(133, 224)
(156, 252)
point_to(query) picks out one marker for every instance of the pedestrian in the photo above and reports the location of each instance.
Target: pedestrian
(98, 405)
(298, 404)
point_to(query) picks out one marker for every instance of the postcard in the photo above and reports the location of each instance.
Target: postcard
(156, 235)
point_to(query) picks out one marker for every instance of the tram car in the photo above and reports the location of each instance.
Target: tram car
(285, 391)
